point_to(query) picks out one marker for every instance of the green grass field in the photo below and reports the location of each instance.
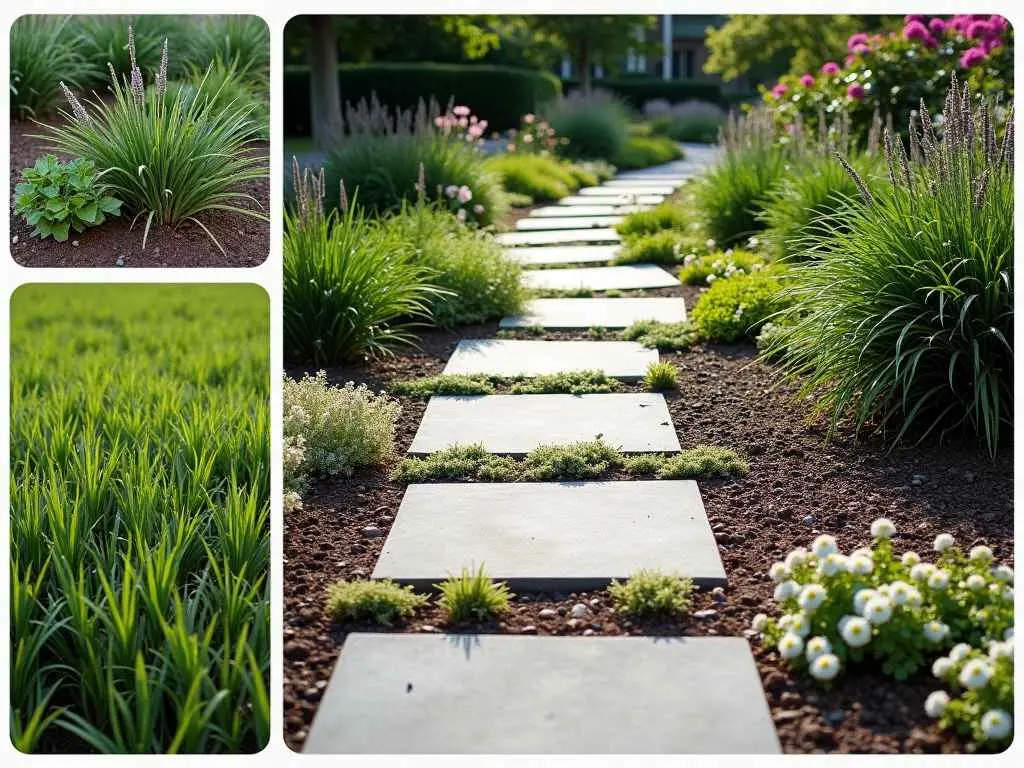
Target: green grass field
(140, 485)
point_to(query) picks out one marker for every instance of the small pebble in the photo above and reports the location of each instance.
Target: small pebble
(708, 613)
(579, 611)
(15, 240)
(548, 613)
(74, 243)
(595, 603)
(371, 531)
(572, 623)
(718, 595)
(120, 261)
(588, 632)
(528, 630)
(809, 520)
(428, 628)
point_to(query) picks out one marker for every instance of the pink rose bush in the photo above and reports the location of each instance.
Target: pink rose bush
(892, 72)
(460, 124)
(534, 136)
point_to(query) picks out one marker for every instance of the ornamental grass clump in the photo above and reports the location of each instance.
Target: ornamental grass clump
(43, 53)
(660, 377)
(898, 612)
(904, 323)
(170, 159)
(473, 596)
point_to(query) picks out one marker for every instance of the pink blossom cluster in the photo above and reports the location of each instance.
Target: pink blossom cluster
(461, 123)
(459, 198)
(534, 135)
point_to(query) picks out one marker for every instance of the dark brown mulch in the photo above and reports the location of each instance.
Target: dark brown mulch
(245, 239)
(799, 485)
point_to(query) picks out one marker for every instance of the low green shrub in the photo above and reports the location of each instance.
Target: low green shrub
(382, 602)
(575, 461)
(661, 376)
(56, 198)
(666, 337)
(650, 593)
(698, 122)
(719, 265)
(443, 384)
(43, 55)
(241, 42)
(601, 170)
(594, 123)
(661, 247)
(983, 681)
(737, 307)
(457, 462)
(517, 200)
(351, 286)
(566, 383)
(478, 281)
(542, 177)
(473, 596)
(703, 461)
(668, 215)
(645, 151)
(637, 90)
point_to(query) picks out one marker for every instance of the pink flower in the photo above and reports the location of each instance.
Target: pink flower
(937, 26)
(830, 68)
(979, 30)
(483, 125)
(850, 59)
(856, 92)
(528, 119)
(860, 48)
(930, 42)
(439, 122)
(858, 39)
(478, 209)
(972, 56)
(465, 194)
(463, 122)
(451, 190)
(960, 22)
(779, 90)
(913, 17)
(807, 81)
(991, 44)
(460, 111)
(915, 30)
(999, 24)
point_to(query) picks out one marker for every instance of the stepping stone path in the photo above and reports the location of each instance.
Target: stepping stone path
(566, 314)
(433, 693)
(624, 360)
(513, 425)
(566, 236)
(628, 277)
(502, 694)
(551, 537)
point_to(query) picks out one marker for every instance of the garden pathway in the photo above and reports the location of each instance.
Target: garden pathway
(463, 693)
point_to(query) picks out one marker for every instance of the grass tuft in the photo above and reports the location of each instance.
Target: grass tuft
(650, 593)
(473, 596)
(661, 376)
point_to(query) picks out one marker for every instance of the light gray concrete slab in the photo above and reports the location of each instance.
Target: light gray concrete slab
(624, 199)
(542, 223)
(626, 277)
(551, 537)
(514, 694)
(563, 254)
(634, 182)
(560, 211)
(636, 189)
(624, 360)
(516, 424)
(607, 235)
(565, 314)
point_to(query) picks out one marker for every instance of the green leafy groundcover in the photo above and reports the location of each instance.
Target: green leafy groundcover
(139, 549)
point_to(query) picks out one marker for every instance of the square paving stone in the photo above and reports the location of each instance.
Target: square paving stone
(635, 189)
(624, 360)
(564, 314)
(505, 694)
(563, 254)
(513, 425)
(624, 199)
(627, 277)
(662, 180)
(606, 235)
(599, 209)
(551, 537)
(541, 223)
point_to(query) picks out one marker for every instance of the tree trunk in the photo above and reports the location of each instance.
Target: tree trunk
(324, 89)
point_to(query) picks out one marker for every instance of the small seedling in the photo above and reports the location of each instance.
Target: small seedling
(473, 596)
(383, 602)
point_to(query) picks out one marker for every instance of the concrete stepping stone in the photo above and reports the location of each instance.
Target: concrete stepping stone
(624, 360)
(541, 223)
(514, 425)
(563, 254)
(551, 537)
(623, 199)
(661, 180)
(563, 236)
(566, 314)
(635, 189)
(501, 694)
(560, 211)
(626, 277)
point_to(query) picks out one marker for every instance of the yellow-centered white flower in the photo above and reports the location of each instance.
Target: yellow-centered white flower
(796, 558)
(996, 724)
(959, 652)
(855, 631)
(936, 703)
(778, 572)
(878, 610)
(941, 667)
(922, 571)
(981, 553)
(910, 558)
(975, 582)
(860, 565)
(816, 646)
(790, 646)
(939, 579)
(975, 674)
(943, 542)
(825, 667)
(823, 546)
(883, 528)
(786, 590)
(811, 597)
(935, 631)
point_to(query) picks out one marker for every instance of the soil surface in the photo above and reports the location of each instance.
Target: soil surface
(245, 239)
(799, 485)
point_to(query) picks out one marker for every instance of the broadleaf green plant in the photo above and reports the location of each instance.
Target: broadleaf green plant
(56, 198)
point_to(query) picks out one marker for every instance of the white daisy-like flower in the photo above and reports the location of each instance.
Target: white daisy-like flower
(801, 625)
(778, 572)
(861, 599)
(823, 546)
(943, 542)
(975, 674)
(980, 553)
(910, 558)
(784, 621)
(1003, 573)
(710, 278)
(975, 582)
(825, 667)
(935, 631)
(1002, 650)
(959, 652)
(816, 646)
(941, 667)
(786, 590)
(899, 592)
(860, 565)
(811, 597)
(1007, 594)
(878, 610)
(883, 528)
(796, 558)
(936, 703)
(922, 571)
(863, 552)
(832, 564)
(710, 244)
(855, 631)
(790, 646)
(939, 579)
(759, 623)
(996, 724)
(914, 598)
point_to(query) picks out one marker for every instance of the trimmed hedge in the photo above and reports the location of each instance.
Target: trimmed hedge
(636, 91)
(498, 94)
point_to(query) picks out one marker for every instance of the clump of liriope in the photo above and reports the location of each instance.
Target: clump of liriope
(473, 596)
(168, 157)
(905, 322)
(661, 376)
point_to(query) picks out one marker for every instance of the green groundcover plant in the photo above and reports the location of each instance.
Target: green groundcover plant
(736, 307)
(473, 596)
(383, 602)
(652, 593)
(43, 54)
(57, 198)
(169, 158)
(139, 520)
